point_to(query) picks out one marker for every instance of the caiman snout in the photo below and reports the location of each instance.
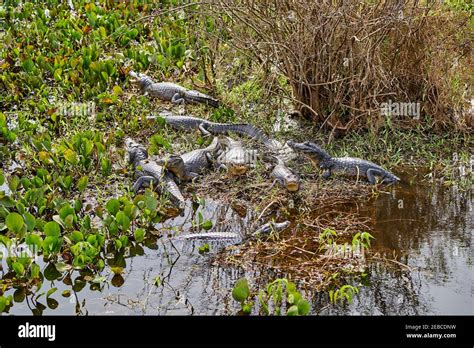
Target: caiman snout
(292, 186)
(237, 169)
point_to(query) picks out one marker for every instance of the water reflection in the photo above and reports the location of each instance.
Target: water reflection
(427, 228)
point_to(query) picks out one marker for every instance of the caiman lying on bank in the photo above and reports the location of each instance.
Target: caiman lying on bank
(264, 230)
(235, 158)
(189, 165)
(348, 166)
(170, 91)
(284, 176)
(208, 127)
(148, 172)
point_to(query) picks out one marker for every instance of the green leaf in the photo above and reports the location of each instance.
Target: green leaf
(207, 225)
(303, 307)
(13, 182)
(82, 183)
(204, 249)
(132, 33)
(241, 290)
(65, 211)
(159, 141)
(34, 270)
(106, 166)
(139, 234)
(70, 156)
(151, 202)
(62, 267)
(51, 291)
(88, 147)
(2, 178)
(34, 240)
(247, 308)
(5, 241)
(113, 206)
(98, 279)
(5, 302)
(52, 229)
(76, 236)
(123, 220)
(14, 222)
(7, 202)
(292, 311)
(28, 65)
(117, 90)
(18, 268)
(57, 74)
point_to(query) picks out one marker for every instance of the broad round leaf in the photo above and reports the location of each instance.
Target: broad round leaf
(139, 234)
(14, 222)
(207, 225)
(30, 221)
(52, 229)
(112, 206)
(292, 311)
(241, 290)
(303, 307)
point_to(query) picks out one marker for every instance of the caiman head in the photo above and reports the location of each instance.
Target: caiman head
(237, 167)
(175, 164)
(291, 182)
(311, 149)
(283, 174)
(235, 157)
(136, 151)
(142, 80)
(269, 227)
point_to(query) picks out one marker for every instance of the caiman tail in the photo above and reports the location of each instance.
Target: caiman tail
(243, 128)
(199, 97)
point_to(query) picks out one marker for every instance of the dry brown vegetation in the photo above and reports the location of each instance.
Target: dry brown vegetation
(343, 59)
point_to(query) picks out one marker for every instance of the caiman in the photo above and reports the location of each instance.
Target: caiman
(208, 127)
(148, 171)
(170, 91)
(235, 158)
(284, 176)
(348, 166)
(189, 165)
(264, 230)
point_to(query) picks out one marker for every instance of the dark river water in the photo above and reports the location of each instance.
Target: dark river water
(428, 227)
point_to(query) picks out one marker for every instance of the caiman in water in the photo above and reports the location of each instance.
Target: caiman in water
(348, 166)
(263, 230)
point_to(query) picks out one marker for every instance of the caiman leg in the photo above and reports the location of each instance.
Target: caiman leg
(222, 166)
(327, 173)
(371, 173)
(193, 176)
(274, 183)
(177, 99)
(143, 180)
(204, 130)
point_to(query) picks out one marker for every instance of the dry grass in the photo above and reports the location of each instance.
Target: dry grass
(343, 59)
